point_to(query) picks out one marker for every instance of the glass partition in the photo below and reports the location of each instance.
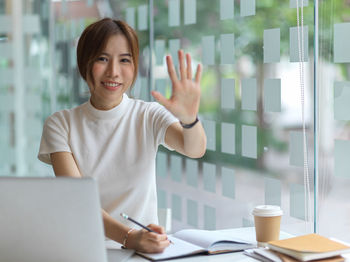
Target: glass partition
(250, 109)
(333, 146)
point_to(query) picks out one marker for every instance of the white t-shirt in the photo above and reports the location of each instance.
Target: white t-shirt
(116, 147)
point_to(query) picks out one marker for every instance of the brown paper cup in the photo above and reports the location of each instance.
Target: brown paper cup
(267, 220)
(267, 228)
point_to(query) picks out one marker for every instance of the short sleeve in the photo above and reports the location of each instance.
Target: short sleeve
(160, 119)
(54, 137)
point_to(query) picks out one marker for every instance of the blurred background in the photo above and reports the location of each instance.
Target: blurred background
(251, 102)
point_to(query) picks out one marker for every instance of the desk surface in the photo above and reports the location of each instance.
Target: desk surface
(246, 233)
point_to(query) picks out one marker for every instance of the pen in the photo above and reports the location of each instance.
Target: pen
(125, 216)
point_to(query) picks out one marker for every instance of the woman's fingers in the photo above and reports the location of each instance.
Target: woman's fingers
(189, 66)
(171, 68)
(157, 228)
(182, 65)
(198, 74)
(161, 99)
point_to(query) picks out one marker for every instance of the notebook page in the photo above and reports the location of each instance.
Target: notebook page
(204, 238)
(178, 248)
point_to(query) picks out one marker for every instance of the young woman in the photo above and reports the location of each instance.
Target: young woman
(114, 138)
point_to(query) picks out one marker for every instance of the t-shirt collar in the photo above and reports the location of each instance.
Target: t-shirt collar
(111, 113)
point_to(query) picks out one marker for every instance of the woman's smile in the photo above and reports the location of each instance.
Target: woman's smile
(111, 85)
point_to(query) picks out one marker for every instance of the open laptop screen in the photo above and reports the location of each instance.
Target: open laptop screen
(50, 219)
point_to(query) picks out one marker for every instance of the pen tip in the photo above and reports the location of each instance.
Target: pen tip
(124, 215)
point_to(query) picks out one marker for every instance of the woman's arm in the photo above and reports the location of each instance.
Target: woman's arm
(184, 104)
(64, 164)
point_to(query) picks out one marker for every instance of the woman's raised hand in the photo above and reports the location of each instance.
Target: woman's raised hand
(185, 98)
(148, 242)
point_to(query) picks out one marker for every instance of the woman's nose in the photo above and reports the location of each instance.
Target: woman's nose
(113, 69)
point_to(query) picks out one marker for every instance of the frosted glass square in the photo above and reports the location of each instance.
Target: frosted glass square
(210, 130)
(247, 7)
(162, 165)
(228, 137)
(33, 74)
(341, 158)
(7, 102)
(161, 195)
(209, 177)
(174, 46)
(135, 90)
(249, 141)
(33, 103)
(6, 50)
(142, 17)
(341, 43)
(227, 93)
(7, 156)
(297, 204)
(6, 76)
(293, 44)
(228, 182)
(176, 207)
(272, 191)
(341, 100)
(176, 168)
(192, 172)
(272, 45)
(226, 9)
(293, 3)
(272, 95)
(5, 24)
(5, 127)
(64, 7)
(190, 12)
(144, 93)
(209, 218)
(174, 13)
(90, 2)
(31, 24)
(296, 152)
(208, 50)
(161, 86)
(130, 16)
(192, 213)
(227, 42)
(249, 94)
(159, 49)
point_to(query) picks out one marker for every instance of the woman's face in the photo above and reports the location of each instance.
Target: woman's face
(112, 73)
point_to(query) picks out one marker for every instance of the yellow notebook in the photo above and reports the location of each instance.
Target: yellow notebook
(309, 247)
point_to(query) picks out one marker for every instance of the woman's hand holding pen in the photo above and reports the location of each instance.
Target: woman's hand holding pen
(185, 98)
(148, 242)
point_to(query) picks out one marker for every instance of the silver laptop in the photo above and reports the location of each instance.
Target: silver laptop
(50, 219)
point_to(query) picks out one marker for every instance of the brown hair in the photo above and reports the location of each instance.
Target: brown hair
(94, 39)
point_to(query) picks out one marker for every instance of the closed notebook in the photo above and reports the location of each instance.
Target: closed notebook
(309, 247)
(193, 241)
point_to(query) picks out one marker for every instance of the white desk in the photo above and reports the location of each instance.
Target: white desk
(246, 233)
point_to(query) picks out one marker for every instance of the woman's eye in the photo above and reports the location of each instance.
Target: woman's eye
(102, 59)
(125, 60)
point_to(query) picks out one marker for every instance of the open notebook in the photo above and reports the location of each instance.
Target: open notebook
(193, 241)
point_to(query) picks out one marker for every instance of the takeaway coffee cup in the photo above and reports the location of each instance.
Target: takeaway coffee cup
(267, 221)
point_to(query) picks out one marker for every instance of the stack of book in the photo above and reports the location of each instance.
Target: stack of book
(302, 248)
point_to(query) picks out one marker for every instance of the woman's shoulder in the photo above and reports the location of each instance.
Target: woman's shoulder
(66, 114)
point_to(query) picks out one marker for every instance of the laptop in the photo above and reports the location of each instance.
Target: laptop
(50, 219)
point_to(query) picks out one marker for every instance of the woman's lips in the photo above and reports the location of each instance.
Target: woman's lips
(111, 85)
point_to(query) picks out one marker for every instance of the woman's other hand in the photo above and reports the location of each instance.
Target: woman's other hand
(148, 242)
(185, 99)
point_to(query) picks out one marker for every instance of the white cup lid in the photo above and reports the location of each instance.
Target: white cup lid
(267, 211)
